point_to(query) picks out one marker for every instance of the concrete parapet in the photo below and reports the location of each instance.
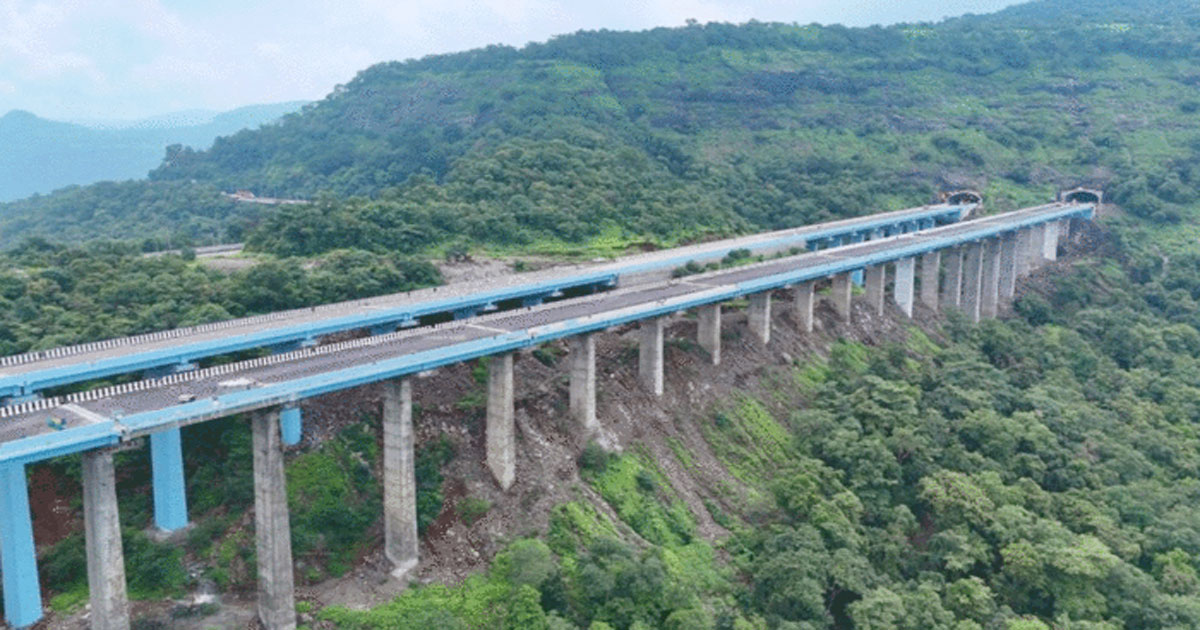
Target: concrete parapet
(400, 541)
(102, 532)
(272, 529)
(501, 430)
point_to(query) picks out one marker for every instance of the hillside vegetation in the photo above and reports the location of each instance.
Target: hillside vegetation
(604, 137)
(1028, 473)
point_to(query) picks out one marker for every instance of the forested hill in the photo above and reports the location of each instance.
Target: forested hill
(665, 134)
(39, 155)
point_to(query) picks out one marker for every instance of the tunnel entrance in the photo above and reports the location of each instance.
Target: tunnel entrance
(1081, 195)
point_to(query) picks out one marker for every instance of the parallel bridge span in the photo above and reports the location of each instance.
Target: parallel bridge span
(970, 265)
(23, 376)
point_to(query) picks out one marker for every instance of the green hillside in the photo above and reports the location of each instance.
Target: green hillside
(670, 133)
(1034, 472)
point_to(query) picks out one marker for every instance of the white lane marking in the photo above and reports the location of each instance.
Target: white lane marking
(86, 414)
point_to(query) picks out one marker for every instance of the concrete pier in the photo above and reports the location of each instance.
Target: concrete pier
(650, 355)
(18, 559)
(841, 293)
(758, 316)
(1024, 252)
(804, 305)
(931, 273)
(170, 492)
(1037, 246)
(400, 542)
(583, 381)
(972, 280)
(272, 529)
(1008, 267)
(876, 278)
(501, 430)
(102, 533)
(1050, 241)
(708, 331)
(952, 259)
(903, 287)
(989, 291)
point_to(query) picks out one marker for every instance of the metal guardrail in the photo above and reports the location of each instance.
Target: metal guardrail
(110, 432)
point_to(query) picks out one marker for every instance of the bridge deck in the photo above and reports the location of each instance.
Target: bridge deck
(152, 405)
(31, 372)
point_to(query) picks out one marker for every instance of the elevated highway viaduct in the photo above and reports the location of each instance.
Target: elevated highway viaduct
(23, 377)
(971, 265)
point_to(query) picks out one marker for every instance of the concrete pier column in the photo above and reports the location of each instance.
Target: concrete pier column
(972, 280)
(1064, 231)
(501, 430)
(583, 380)
(841, 294)
(931, 272)
(903, 288)
(1023, 256)
(170, 493)
(708, 331)
(952, 259)
(272, 529)
(989, 291)
(876, 277)
(1050, 241)
(759, 316)
(1037, 246)
(18, 559)
(400, 542)
(102, 533)
(804, 305)
(650, 355)
(1008, 267)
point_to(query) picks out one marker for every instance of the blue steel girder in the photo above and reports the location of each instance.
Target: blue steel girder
(94, 436)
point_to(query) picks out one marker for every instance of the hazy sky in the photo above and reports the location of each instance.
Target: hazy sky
(131, 58)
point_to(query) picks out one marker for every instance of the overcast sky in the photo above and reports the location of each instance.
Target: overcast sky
(106, 59)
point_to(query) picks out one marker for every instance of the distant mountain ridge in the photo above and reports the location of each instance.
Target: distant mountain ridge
(39, 155)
